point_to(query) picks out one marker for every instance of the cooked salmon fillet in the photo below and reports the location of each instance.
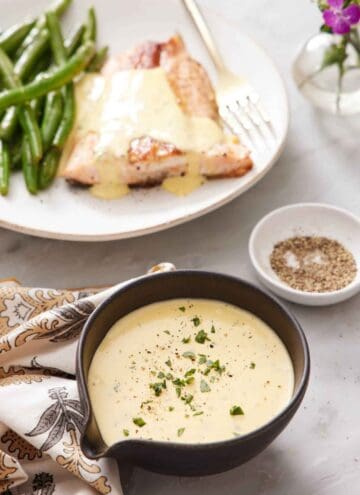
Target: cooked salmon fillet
(149, 161)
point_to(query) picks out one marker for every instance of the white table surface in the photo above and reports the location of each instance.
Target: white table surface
(319, 452)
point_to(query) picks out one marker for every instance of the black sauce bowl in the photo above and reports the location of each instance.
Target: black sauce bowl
(178, 458)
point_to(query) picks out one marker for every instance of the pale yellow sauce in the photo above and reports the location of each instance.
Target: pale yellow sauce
(132, 104)
(258, 374)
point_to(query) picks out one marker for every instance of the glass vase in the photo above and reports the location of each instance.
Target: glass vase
(322, 86)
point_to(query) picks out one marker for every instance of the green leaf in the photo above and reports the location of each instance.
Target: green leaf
(139, 422)
(334, 55)
(186, 340)
(190, 355)
(182, 308)
(196, 321)
(201, 337)
(202, 358)
(126, 433)
(180, 431)
(252, 366)
(236, 411)
(204, 387)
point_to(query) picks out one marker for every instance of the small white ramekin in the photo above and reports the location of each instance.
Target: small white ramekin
(304, 219)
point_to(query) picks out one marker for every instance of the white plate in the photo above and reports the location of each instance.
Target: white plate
(65, 213)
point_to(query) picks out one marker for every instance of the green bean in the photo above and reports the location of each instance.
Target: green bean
(99, 60)
(59, 7)
(52, 81)
(31, 55)
(24, 112)
(30, 126)
(49, 167)
(13, 37)
(67, 121)
(29, 168)
(52, 117)
(21, 69)
(8, 124)
(74, 41)
(15, 153)
(91, 26)
(56, 39)
(4, 168)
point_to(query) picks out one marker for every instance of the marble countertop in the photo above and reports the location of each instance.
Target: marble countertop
(319, 452)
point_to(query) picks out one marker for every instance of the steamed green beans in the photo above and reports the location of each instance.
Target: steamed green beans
(30, 171)
(25, 113)
(52, 117)
(52, 81)
(4, 168)
(59, 7)
(14, 36)
(37, 98)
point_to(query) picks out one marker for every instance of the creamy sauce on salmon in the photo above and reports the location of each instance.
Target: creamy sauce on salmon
(132, 104)
(188, 370)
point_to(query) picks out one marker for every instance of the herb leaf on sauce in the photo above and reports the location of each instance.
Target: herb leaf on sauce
(236, 411)
(201, 337)
(168, 363)
(190, 355)
(158, 387)
(180, 431)
(139, 422)
(186, 340)
(198, 413)
(182, 308)
(202, 359)
(204, 386)
(212, 329)
(252, 366)
(126, 433)
(196, 321)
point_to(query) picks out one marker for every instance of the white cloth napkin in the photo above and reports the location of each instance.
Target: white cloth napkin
(40, 413)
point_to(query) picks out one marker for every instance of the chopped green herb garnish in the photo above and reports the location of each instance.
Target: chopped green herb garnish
(204, 386)
(201, 337)
(126, 433)
(212, 329)
(158, 387)
(139, 422)
(167, 332)
(169, 376)
(198, 413)
(190, 355)
(236, 411)
(161, 375)
(168, 363)
(252, 366)
(182, 308)
(178, 382)
(171, 408)
(214, 365)
(178, 391)
(180, 431)
(187, 398)
(186, 340)
(190, 372)
(202, 359)
(145, 402)
(196, 321)
(189, 380)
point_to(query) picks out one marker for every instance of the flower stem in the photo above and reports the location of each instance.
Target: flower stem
(339, 88)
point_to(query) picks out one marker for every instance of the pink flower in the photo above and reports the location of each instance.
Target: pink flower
(341, 19)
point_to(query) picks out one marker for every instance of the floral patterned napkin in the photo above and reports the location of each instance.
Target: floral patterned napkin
(40, 413)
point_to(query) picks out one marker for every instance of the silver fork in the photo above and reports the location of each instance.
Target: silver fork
(239, 104)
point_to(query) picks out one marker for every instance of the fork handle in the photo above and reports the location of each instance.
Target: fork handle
(205, 33)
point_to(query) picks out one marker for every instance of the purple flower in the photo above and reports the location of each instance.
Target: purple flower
(340, 19)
